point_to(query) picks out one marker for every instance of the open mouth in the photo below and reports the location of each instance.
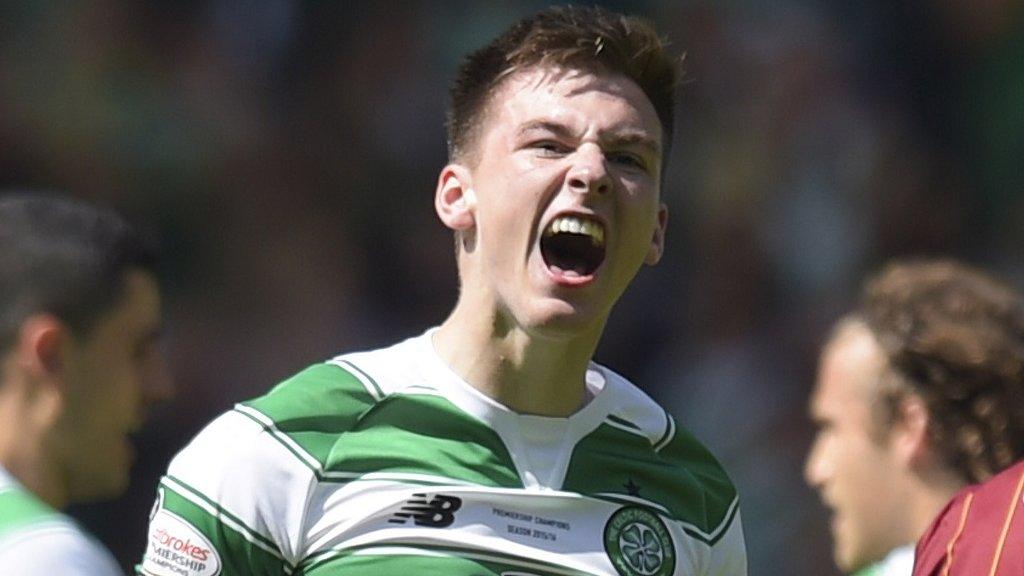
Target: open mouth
(573, 245)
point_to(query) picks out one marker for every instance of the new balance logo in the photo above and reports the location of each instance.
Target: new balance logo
(438, 512)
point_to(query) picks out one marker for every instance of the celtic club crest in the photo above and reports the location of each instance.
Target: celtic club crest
(638, 543)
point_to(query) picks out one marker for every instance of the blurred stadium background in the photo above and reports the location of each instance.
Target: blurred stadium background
(285, 152)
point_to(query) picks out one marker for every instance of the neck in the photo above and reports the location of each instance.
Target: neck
(24, 450)
(927, 498)
(521, 369)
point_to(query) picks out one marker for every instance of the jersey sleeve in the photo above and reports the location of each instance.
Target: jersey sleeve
(729, 553)
(55, 548)
(707, 502)
(232, 503)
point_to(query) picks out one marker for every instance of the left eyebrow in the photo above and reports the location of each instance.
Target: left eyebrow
(614, 137)
(559, 130)
(633, 138)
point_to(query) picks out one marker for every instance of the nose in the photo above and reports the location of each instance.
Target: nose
(588, 173)
(815, 468)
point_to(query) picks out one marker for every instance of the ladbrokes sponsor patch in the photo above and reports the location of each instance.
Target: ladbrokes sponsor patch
(176, 548)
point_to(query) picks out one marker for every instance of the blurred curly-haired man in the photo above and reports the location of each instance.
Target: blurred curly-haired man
(920, 392)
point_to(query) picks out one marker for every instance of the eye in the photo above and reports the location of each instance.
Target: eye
(549, 148)
(628, 159)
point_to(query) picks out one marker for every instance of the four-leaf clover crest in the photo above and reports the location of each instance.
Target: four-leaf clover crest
(641, 548)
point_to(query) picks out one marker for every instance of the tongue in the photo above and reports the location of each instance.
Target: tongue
(567, 273)
(571, 255)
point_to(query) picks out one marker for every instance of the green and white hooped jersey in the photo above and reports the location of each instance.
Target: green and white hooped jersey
(386, 463)
(36, 540)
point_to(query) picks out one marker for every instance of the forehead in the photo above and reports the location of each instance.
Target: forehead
(848, 373)
(574, 97)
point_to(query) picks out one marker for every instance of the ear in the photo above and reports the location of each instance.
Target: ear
(658, 240)
(909, 434)
(41, 346)
(454, 199)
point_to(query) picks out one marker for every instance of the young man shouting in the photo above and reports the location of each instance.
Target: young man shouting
(491, 444)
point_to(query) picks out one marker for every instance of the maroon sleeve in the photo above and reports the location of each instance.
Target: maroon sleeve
(979, 533)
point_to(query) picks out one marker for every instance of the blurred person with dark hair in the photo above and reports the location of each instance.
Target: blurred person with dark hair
(491, 444)
(79, 319)
(920, 391)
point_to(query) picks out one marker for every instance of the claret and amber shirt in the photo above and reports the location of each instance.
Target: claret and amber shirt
(979, 533)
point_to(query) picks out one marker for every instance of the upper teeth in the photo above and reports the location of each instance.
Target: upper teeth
(574, 225)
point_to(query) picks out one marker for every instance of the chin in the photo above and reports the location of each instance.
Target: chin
(108, 487)
(105, 483)
(848, 561)
(116, 485)
(564, 321)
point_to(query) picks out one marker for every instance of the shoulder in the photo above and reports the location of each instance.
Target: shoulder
(54, 546)
(1001, 488)
(342, 387)
(697, 489)
(244, 481)
(326, 396)
(310, 410)
(252, 470)
(20, 508)
(675, 446)
(286, 430)
(979, 526)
